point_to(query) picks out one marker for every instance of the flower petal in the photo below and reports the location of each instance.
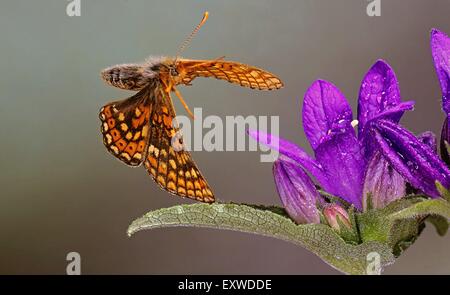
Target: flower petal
(393, 114)
(325, 112)
(414, 160)
(343, 164)
(382, 183)
(296, 191)
(429, 138)
(440, 49)
(291, 151)
(378, 93)
(396, 160)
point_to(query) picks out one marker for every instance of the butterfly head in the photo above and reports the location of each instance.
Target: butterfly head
(171, 72)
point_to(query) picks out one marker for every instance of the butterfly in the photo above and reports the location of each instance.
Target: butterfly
(142, 128)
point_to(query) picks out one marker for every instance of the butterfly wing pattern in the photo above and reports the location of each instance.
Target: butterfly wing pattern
(170, 165)
(233, 72)
(125, 127)
(139, 130)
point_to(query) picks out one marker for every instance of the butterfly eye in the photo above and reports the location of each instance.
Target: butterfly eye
(155, 68)
(173, 71)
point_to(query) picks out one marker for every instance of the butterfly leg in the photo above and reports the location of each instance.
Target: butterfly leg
(178, 94)
(168, 87)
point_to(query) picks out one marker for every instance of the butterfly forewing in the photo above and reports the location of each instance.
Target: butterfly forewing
(167, 162)
(233, 72)
(125, 127)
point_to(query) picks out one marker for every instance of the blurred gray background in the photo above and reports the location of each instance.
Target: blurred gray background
(60, 190)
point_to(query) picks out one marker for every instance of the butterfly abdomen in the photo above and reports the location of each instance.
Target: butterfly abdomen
(128, 76)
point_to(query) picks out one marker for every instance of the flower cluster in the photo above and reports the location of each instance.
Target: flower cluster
(368, 167)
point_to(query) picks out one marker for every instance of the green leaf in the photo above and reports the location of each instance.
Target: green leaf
(445, 193)
(349, 234)
(399, 234)
(429, 207)
(375, 224)
(317, 238)
(440, 223)
(407, 222)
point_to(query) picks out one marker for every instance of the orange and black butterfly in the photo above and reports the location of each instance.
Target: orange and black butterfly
(142, 129)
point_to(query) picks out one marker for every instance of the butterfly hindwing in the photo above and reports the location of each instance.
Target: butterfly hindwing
(233, 72)
(170, 165)
(125, 127)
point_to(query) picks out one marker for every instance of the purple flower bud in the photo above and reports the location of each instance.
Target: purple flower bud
(382, 183)
(333, 213)
(297, 192)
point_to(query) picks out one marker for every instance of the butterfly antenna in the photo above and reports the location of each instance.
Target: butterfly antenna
(189, 38)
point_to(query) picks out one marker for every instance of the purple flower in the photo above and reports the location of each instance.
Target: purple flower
(296, 191)
(341, 156)
(374, 164)
(383, 184)
(440, 49)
